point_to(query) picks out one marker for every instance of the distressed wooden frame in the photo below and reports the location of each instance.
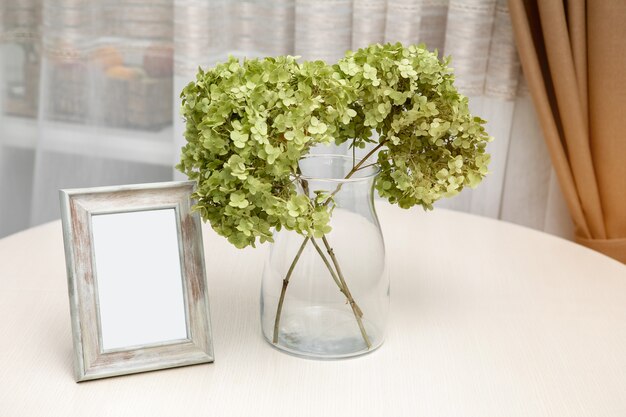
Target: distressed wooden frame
(77, 207)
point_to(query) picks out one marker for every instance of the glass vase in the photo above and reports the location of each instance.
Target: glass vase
(328, 297)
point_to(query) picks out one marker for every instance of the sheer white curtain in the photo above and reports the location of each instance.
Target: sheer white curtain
(86, 99)
(89, 88)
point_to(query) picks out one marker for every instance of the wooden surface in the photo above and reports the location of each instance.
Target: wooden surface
(487, 319)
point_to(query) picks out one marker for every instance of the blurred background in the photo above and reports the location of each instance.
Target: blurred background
(89, 89)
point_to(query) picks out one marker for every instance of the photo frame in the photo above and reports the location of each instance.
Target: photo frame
(136, 279)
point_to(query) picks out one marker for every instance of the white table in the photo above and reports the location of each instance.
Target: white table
(487, 319)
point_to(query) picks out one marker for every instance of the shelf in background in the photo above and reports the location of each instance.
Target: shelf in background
(95, 141)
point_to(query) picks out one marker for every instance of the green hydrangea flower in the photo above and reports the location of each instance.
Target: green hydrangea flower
(247, 126)
(434, 147)
(249, 123)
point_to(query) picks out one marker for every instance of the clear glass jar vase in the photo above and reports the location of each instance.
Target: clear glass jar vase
(328, 297)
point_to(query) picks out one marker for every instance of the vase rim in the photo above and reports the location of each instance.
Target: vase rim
(368, 172)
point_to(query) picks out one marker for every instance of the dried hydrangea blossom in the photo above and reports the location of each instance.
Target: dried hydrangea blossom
(249, 123)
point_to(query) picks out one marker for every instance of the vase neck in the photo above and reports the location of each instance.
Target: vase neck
(327, 174)
(337, 169)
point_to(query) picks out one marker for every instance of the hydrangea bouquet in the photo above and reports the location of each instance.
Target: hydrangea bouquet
(248, 124)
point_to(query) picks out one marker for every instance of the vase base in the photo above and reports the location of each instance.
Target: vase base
(339, 339)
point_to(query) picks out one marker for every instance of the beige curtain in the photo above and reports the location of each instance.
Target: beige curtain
(477, 33)
(573, 56)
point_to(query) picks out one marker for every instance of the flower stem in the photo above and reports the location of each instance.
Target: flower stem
(337, 277)
(342, 288)
(330, 268)
(284, 289)
(355, 308)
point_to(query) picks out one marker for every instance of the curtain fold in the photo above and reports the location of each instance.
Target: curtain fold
(573, 58)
